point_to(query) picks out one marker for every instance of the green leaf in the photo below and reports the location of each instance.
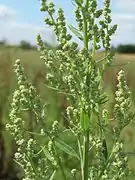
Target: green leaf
(78, 2)
(84, 120)
(105, 151)
(53, 174)
(75, 31)
(66, 148)
(46, 153)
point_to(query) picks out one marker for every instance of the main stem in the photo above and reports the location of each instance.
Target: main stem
(85, 155)
(86, 134)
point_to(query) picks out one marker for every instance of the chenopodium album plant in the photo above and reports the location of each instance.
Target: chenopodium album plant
(76, 73)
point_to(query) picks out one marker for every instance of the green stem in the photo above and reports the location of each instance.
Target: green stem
(86, 134)
(81, 157)
(86, 156)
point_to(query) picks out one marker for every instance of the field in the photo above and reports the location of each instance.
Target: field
(35, 70)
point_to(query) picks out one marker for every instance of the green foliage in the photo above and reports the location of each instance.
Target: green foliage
(76, 74)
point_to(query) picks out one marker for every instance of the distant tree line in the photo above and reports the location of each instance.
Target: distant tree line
(25, 45)
(121, 48)
(126, 48)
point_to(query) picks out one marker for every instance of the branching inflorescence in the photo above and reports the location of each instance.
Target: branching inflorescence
(77, 74)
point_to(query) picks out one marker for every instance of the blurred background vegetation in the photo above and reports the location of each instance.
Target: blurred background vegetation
(35, 71)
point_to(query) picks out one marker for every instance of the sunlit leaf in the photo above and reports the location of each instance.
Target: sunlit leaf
(75, 32)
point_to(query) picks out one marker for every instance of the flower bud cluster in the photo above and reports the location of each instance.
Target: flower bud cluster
(122, 108)
(30, 100)
(97, 148)
(52, 153)
(96, 31)
(93, 30)
(43, 5)
(106, 30)
(58, 23)
(75, 74)
(25, 98)
(117, 166)
(69, 68)
(55, 130)
(73, 115)
(109, 58)
(63, 37)
(119, 162)
(25, 148)
(79, 18)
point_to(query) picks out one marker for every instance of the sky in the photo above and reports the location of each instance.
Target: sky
(21, 20)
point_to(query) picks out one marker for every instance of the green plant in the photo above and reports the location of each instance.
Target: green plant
(78, 75)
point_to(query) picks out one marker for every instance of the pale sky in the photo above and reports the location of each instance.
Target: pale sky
(21, 20)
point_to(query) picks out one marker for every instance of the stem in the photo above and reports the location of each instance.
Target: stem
(86, 134)
(85, 155)
(80, 153)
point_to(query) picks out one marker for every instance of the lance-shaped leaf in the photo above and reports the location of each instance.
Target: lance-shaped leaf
(46, 153)
(104, 149)
(66, 148)
(78, 2)
(75, 32)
